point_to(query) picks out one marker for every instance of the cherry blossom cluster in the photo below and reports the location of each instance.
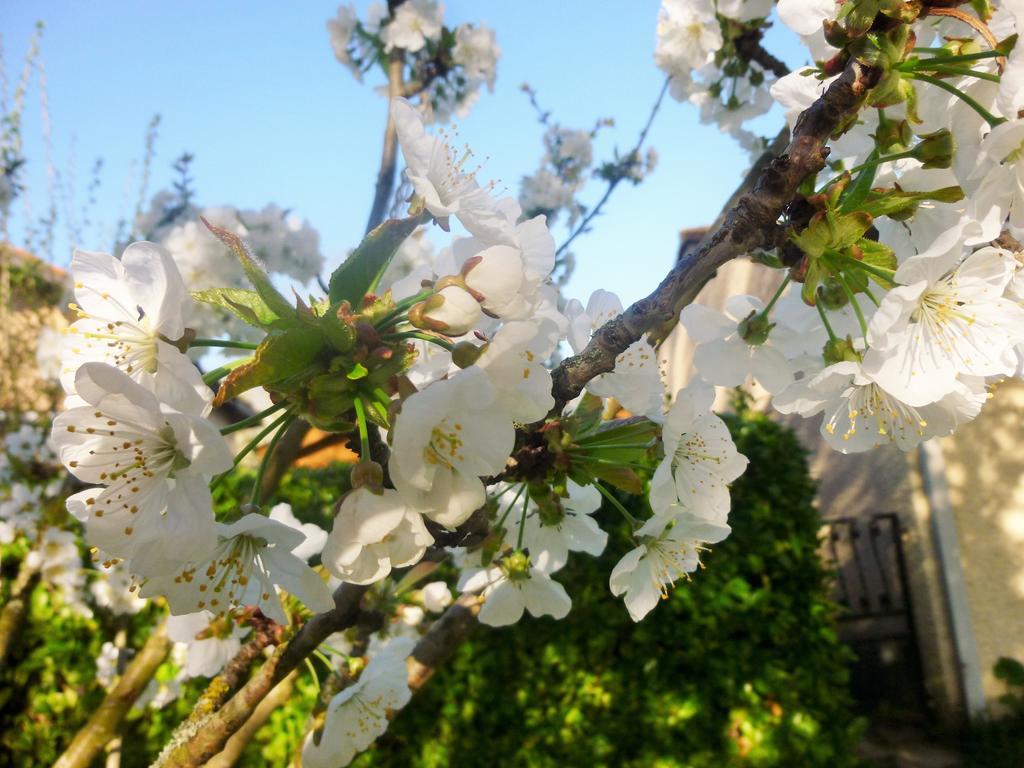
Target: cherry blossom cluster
(901, 303)
(700, 46)
(444, 67)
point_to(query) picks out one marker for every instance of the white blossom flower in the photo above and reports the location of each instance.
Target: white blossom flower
(414, 23)
(446, 437)
(211, 642)
(438, 177)
(995, 187)
(941, 326)
(514, 362)
(106, 664)
(635, 382)
(340, 29)
(859, 414)
(127, 311)
(645, 573)
(688, 35)
(452, 311)
(59, 562)
(372, 534)
(252, 555)
(549, 538)
(19, 512)
(358, 715)
(724, 357)
(700, 459)
(115, 587)
(155, 463)
(316, 536)
(477, 51)
(509, 590)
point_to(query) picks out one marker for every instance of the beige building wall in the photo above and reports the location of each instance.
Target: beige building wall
(985, 474)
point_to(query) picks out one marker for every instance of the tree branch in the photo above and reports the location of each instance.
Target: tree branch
(748, 46)
(386, 174)
(749, 225)
(443, 639)
(208, 735)
(14, 609)
(102, 726)
(236, 745)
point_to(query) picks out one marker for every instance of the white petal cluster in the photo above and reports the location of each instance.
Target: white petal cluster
(358, 715)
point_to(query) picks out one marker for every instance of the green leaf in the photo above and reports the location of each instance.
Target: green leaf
(364, 267)
(1010, 671)
(623, 478)
(897, 202)
(278, 357)
(256, 274)
(857, 192)
(246, 305)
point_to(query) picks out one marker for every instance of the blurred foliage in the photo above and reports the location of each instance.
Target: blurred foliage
(33, 284)
(740, 667)
(999, 742)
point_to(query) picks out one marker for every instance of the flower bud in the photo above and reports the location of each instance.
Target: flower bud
(451, 310)
(831, 295)
(754, 329)
(936, 149)
(892, 135)
(368, 474)
(839, 351)
(466, 353)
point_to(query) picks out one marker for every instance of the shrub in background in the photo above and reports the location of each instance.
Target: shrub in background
(742, 666)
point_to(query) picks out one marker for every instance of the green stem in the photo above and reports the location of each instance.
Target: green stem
(991, 119)
(421, 336)
(613, 446)
(617, 504)
(965, 72)
(401, 308)
(885, 274)
(504, 516)
(252, 420)
(212, 377)
(856, 306)
(522, 524)
(926, 63)
(364, 432)
(254, 497)
(226, 343)
(827, 324)
(249, 446)
(777, 296)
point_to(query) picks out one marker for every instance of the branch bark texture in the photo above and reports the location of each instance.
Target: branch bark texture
(206, 736)
(751, 224)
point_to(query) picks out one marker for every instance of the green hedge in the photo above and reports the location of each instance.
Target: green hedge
(741, 666)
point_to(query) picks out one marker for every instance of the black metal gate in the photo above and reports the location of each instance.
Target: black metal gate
(877, 619)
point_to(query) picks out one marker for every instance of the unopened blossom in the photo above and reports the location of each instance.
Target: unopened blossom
(958, 323)
(700, 459)
(358, 715)
(735, 344)
(372, 534)
(440, 177)
(446, 437)
(645, 573)
(152, 463)
(128, 310)
(566, 526)
(414, 23)
(452, 311)
(251, 558)
(514, 362)
(436, 596)
(477, 51)
(514, 586)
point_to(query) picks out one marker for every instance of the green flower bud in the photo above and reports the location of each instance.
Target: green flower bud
(368, 474)
(831, 295)
(466, 353)
(840, 350)
(755, 327)
(936, 149)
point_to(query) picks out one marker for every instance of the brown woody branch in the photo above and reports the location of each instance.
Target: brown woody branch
(443, 639)
(750, 225)
(208, 735)
(748, 46)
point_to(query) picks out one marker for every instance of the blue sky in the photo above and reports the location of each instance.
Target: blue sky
(254, 92)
